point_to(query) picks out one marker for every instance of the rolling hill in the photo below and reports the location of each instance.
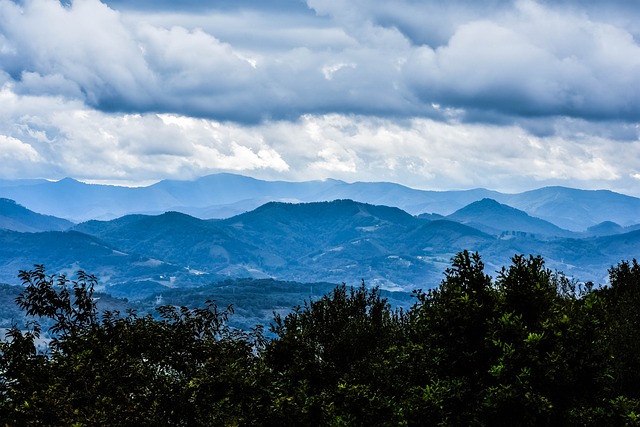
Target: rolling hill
(225, 195)
(70, 251)
(576, 210)
(495, 218)
(18, 218)
(338, 241)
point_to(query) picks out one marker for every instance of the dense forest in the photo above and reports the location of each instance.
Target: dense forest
(530, 347)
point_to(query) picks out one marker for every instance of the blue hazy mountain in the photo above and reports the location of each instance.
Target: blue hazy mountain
(329, 241)
(576, 210)
(21, 182)
(72, 199)
(347, 241)
(325, 241)
(226, 195)
(18, 218)
(71, 251)
(78, 201)
(322, 241)
(225, 188)
(411, 200)
(324, 223)
(175, 238)
(495, 218)
(338, 241)
(605, 228)
(431, 216)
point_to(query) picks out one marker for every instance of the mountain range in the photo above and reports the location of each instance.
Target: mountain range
(222, 196)
(18, 218)
(139, 255)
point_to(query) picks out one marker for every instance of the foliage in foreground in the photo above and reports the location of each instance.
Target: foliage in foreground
(528, 348)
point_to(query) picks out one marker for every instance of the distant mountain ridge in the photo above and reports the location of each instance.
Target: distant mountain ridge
(305, 232)
(493, 217)
(225, 195)
(338, 241)
(574, 209)
(18, 218)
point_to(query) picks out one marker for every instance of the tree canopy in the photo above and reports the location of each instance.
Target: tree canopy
(530, 347)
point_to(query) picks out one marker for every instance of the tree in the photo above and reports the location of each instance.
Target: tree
(447, 348)
(530, 348)
(187, 368)
(327, 359)
(622, 302)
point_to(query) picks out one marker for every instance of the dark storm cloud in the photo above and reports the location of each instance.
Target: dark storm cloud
(518, 59)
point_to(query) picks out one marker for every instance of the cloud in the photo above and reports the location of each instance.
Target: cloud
(83, 46)
(330, 69)
(515, 59)
(16, 150)
(18, 157)
(536, 62)
(55, 137)
(202, 6)
(433, 22)
(502, 94)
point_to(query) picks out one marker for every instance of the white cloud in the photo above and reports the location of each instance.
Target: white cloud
(14, 149)
(63, 138)
(431, 94)
(183, 60)
(534, 61)
(330, 69)
(17, 158)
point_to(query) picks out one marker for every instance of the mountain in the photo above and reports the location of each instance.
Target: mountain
(320, 223)
(347, 241)
(338, 241)
(334, 241)
(305, 242)
(408, 199)
(619, 246)
(590, 258)
(21, 182)
(430, 216)
(576, 210)
(225, 188)
(173, 237)
(444, 236)
(495, 218)
(71, 251)
(605, 228)
(78, 201)
(225, 195)
(18, 218)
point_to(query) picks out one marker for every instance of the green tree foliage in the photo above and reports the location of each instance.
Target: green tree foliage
(530, 347)
(623, 301)
(187, 368)
(328, 356)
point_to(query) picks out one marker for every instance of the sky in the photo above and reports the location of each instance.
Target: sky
(457, 94)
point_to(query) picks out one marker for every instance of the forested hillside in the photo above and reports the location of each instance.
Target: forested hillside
(528, 348)
(335, 241)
